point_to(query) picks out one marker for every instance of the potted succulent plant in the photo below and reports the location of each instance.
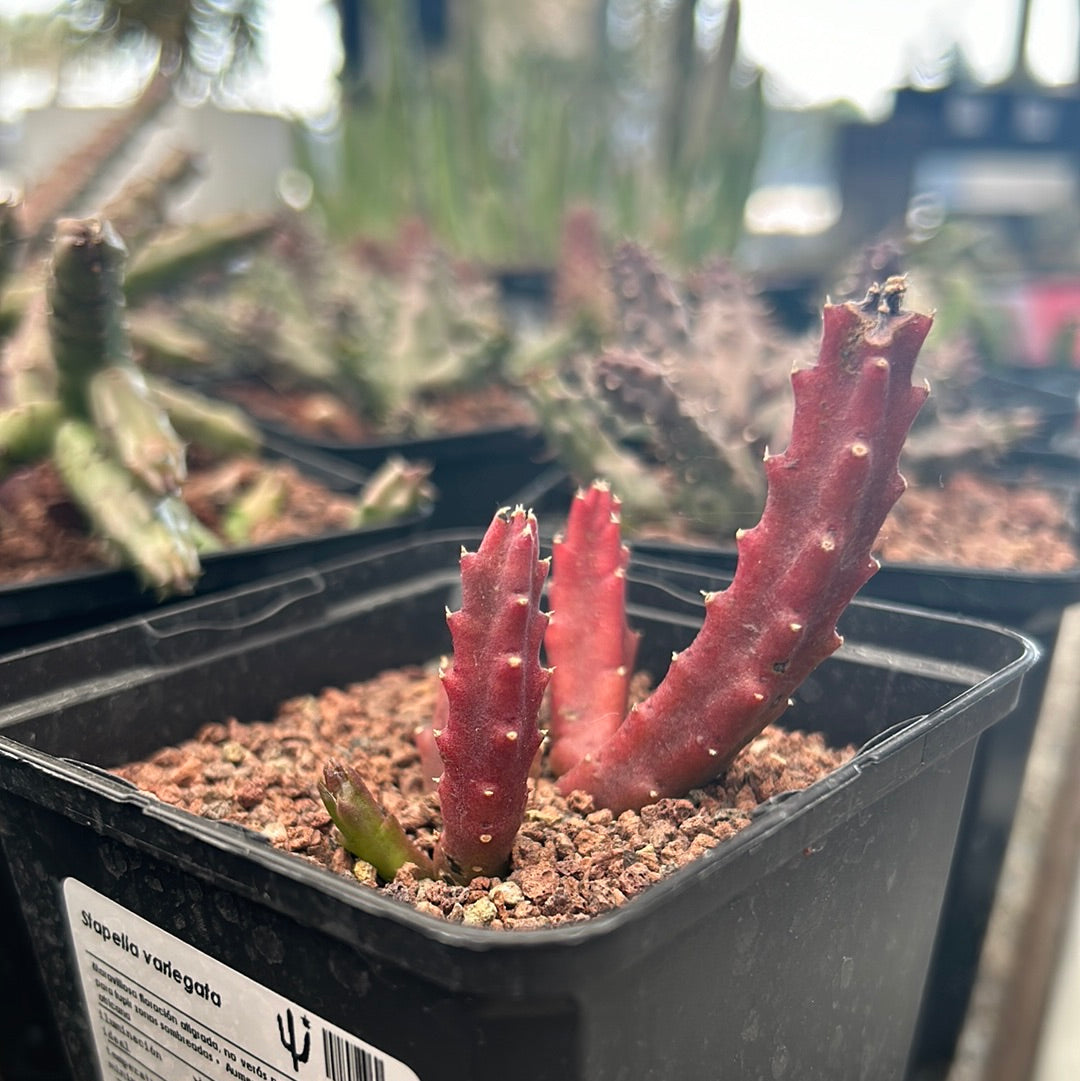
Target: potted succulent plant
(118, 444)
(173, 336)
(803, 562)
(359, 351)
(801, 917)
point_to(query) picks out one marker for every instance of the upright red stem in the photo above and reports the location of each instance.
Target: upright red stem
(588, 643)
(494, 686)
(798, 568)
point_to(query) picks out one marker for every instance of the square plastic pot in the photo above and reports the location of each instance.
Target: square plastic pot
(474, 473)
(34, 611)
(797, 949)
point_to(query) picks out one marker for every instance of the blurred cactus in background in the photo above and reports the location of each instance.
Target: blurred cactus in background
(631, 106)
(11, 238)
(73, 393)
(112, 444)
(672, 386)
(377, 329)
(676, 386)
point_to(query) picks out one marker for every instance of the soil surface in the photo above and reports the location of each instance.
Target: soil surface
(320, 415)
(43, 532)
(571, 861)
(970, 521)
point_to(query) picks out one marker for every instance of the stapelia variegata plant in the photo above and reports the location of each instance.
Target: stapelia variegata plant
(798, 568)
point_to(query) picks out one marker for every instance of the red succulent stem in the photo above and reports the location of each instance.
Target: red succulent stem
(588, 642)
(494, 687)
(798, 568)
(424, 739)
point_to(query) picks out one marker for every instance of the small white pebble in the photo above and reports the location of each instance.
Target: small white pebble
(506, 893)
(480, 913)
(365, 873)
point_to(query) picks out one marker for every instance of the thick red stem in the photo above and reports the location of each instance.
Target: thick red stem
(798, 568)
(494, 687)
(588, 643)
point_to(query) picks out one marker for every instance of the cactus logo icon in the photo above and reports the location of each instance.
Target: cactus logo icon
(299, 1052)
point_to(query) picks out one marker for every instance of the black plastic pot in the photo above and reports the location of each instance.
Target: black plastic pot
(474, 473)
(1034, 603)
(797, 949)
(1052, 393)
(44, 608)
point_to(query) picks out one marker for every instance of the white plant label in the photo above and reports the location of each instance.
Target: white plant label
(162, 1010)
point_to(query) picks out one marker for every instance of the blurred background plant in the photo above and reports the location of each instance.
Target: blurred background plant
(675, 385)
(75, 397)
(488, 124)
(343, 342)
(699, 127)
(642, 109)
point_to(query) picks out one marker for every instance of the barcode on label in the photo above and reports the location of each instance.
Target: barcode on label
(347, 1062)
